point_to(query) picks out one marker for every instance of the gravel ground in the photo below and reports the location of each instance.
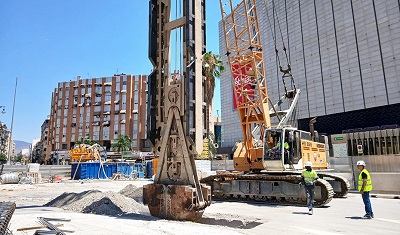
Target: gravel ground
(114, 207)
(105, 207)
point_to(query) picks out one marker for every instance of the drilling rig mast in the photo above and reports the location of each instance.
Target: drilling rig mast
(175, 108)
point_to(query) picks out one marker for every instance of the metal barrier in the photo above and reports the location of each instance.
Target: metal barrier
(45, 170)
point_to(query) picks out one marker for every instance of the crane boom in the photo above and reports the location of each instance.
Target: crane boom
(245, 59)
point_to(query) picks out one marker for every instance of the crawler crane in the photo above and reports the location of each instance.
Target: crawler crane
(271, 169)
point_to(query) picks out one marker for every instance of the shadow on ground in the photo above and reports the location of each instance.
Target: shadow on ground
(240, 223)
(299, 213)
(355, 217)
(230, 223)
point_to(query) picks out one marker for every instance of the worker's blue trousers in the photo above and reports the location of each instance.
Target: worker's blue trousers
(367, 203)
(310, 195)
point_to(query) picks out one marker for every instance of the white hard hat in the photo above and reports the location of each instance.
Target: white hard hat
(308, 163)
(361, 163)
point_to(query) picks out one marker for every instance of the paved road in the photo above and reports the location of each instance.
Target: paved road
(341, 216)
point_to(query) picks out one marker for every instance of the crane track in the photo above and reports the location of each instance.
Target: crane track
(283, 199)
(344, 184)
(339, 191)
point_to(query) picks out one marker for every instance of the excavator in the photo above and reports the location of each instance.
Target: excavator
(272, 152)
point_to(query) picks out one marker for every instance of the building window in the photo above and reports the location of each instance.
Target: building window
(134, 144)
(136, 88)
(64, 146)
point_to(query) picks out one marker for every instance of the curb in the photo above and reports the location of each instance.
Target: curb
(379, 195)
(388, 196)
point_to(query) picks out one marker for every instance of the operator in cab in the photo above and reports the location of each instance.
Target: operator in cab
(309, 177)
(285, 149)
(285, 145)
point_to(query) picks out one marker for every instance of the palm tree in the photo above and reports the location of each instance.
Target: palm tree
(87, 141)
(122, 143)
(3, 158)
(212, 69)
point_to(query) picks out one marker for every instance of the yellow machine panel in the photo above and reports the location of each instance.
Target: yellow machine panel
(315, 153)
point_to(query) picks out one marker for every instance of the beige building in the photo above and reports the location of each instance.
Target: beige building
(98, 108)
(4, 138)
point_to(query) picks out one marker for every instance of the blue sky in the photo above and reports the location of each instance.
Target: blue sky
(44, 42)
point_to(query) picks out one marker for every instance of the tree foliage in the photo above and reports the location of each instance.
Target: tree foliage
(18, 157)
(212, 68)
(85, 140)
(3, 158)
(122, 143)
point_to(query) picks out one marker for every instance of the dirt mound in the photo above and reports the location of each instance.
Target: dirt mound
(97, 202)
(133, 192)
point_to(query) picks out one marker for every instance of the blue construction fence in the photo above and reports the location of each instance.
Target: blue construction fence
(97, 170)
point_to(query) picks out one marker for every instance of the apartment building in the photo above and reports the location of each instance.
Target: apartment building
(4, 138)
(44, 132)
(98, 108)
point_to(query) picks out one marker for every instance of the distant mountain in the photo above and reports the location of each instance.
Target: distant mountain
(19, 144)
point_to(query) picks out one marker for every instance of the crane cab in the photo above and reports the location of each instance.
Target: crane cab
(289, 148)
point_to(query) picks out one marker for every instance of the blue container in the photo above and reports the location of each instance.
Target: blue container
(92, 170)
(75, 172)
(85, 170)
(124, 168)
(138, 167)
(149, 169)
(109, 170)
(140, 174)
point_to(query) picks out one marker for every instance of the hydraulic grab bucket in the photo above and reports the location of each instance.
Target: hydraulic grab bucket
(176, 202)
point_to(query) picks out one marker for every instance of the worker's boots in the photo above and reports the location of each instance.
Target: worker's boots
(310, 211)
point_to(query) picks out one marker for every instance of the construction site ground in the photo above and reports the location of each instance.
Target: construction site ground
(114, 207)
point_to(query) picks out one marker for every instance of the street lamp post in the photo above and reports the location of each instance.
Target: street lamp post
(12, 122)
